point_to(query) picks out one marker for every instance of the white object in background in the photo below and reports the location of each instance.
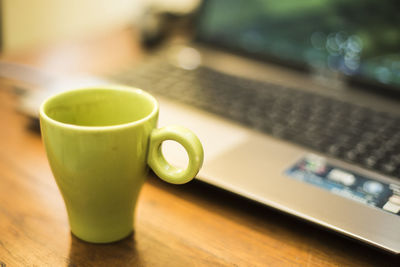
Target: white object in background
(36, 22)
(174, 6)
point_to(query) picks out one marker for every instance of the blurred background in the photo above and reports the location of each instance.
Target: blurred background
(29, 24)
(359, 39)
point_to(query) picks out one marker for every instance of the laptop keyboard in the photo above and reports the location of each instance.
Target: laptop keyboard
(342, 130)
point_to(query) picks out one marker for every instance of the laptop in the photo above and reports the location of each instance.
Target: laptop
(297, 105)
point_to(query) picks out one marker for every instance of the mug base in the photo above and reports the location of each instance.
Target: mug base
(102, 240)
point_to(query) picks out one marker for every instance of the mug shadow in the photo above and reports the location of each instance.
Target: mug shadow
(120, 253)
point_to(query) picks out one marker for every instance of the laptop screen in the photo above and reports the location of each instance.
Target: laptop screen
(359, 39)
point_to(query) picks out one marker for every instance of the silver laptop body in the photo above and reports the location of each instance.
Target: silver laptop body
(254, 165)
(342, 196)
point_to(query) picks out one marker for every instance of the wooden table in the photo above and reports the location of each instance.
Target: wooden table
(188, 225)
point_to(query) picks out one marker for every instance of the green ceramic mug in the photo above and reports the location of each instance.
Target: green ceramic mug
(99, 142)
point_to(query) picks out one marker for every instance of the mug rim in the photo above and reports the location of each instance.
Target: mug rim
(123, 88)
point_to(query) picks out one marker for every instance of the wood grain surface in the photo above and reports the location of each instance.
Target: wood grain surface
(187, 225)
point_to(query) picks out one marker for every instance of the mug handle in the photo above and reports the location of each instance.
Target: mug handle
(159, 164)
